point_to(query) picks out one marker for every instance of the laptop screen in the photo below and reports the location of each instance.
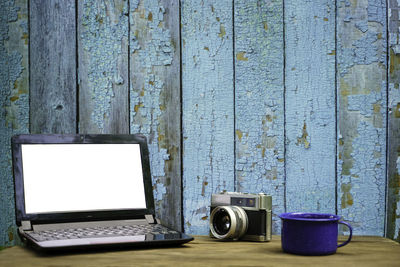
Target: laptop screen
(63, 178)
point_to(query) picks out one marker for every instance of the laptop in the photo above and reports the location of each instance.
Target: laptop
(80, 191)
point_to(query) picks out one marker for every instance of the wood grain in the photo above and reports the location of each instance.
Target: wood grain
(52, 66)
(259, 103)
(310, 106)
(103, 66)
(361, 85)
(393, 191)
(204, 251)
(207, 107)
(155, 98)
(14, 103)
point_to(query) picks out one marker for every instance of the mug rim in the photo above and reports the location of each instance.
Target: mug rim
(306, 216)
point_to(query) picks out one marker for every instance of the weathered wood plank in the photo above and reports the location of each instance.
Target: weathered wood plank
(393, 198)
(53, 66)
(103, 66)
(310, 105)
(207, 107)
(14, 103)
(155, 98)
(361, 85)
(259, 103)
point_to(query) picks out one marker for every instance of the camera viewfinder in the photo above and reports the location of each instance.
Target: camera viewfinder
(243, 202)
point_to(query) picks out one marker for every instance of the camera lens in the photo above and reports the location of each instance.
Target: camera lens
(228, 222)
(222, 222)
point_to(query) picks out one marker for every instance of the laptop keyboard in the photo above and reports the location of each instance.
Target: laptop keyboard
(126, 230)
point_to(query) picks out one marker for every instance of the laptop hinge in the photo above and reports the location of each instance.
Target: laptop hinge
(149, 218)
(26, 225)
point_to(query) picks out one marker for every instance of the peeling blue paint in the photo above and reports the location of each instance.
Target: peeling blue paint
(367, 213)
(397, 212)
(207, 111)
(14, 104)
(362, 116)
(208, 103)
(146, 19)
(101, 36)
(377, 11)
(158, 51)
(310, 106)
(364, 103)
(159, 191)
(259, 101)
(393, 160)
(394, 99)
(133, 5)
(362, 25)
(363, 51)
(149, 107)
(133, 42)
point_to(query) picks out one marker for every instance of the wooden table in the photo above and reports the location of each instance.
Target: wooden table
(203, 251)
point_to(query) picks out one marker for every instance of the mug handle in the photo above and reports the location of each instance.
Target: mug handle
(351, 234)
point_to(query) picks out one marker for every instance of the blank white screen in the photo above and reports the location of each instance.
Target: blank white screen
(82, 177)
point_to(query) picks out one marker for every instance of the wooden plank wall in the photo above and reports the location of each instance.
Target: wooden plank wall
(297, 100)
(154, 52)
(52, 72)
(102, 33)
(259, 100)
(207, 107)
(14, 103)
(361, 118)
(393, 193)
(310, 105)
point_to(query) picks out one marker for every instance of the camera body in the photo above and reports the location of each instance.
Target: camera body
(241, 216)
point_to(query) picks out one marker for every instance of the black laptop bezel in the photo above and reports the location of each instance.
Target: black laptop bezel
(127, 214)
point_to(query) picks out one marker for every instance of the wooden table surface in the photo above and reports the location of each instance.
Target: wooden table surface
(204, 251)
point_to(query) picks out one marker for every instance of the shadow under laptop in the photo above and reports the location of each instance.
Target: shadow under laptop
(101, 249)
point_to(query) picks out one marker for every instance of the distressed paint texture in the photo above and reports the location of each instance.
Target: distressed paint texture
(259, 117)
(207, 107)
(393, 189)
(233, 101)
(103, 66)
(310, 105)
(14, 103)
(52, 84)
(361, 85)
(155, 98)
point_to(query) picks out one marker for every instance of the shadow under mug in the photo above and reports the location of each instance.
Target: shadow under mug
(311, 233)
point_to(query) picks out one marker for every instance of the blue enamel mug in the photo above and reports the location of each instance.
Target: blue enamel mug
(311, 233)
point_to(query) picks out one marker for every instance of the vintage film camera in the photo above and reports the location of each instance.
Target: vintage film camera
(241, 216)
